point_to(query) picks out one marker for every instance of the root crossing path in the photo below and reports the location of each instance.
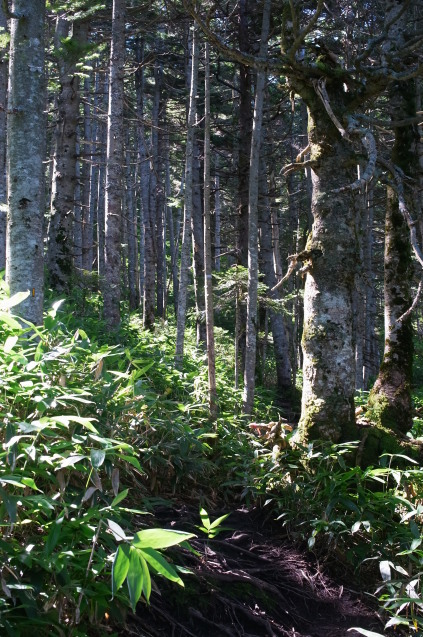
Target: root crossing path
(248, 582)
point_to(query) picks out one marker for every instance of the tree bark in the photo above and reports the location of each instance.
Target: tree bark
(62, 247)
(329, 260)
(208, 286)
(114, 165)
(3, 125)
(390, 400)
(26, 128)
(186, 238)
(251, 326)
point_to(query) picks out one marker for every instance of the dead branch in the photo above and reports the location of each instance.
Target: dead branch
(293, 262)
(369, 144)
(320, 88)
(291, 168)
(413, 305)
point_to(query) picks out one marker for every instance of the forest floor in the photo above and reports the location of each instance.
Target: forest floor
(249, 582)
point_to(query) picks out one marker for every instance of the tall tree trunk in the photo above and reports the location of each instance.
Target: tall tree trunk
(211, 357)
(328, 338)
(197, 223)
(217, 215)
(390, 399)
(251, 327)
(280, 339)
(114, 165)
(186, 238)
(87, 152)
(61, 239)
(26, 128)
(3, 124)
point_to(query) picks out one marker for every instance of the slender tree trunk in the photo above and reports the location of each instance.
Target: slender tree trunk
(26, 128)
(197, 223)
(115, 142)
(186, 239)
(3, 125)
(251, 327)
(217, 215)
(131, 223)
(211, 357)
(280, 340)
(61, 232)
(87, 152)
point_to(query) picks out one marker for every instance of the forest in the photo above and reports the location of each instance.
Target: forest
(211, 345)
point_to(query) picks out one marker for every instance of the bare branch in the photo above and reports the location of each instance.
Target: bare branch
(303, 34)
(369, 144)
(293, 262)
(290, 168)
(320, 88)
(413, 305)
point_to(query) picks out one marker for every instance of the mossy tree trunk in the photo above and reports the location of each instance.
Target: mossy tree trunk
(330, 261)
(390, 399)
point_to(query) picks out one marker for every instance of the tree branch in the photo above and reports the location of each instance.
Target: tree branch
(304, 32)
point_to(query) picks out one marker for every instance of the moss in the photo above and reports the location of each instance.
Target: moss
(379, 439)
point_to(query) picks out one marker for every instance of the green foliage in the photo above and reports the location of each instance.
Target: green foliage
(62, 468)
(363, 517)
(212, 529)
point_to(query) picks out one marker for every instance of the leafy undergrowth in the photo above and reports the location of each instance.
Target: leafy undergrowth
(99, 429)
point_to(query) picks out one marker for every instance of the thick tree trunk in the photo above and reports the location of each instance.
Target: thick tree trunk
(251, 326)
(114, 166)
(26, 128)
(328, 339)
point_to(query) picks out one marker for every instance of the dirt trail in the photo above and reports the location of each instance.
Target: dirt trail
(248, 582)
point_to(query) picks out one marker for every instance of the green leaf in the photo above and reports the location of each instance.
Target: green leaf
(205, 518)
(85, 422)
(97, 457)
(159, 563)
(366, 633)
(146, 582)
(120, 568)
(120, 496)
(134, 578)
(10, 344)
(117, 530)
(159, 538)
(17, 298)
(11, 322)
(219, 521)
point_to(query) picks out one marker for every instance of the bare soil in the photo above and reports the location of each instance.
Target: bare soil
(248, 582)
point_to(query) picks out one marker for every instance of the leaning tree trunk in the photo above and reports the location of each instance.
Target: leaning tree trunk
(26, 127)
(251, 326)
(114, 168)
